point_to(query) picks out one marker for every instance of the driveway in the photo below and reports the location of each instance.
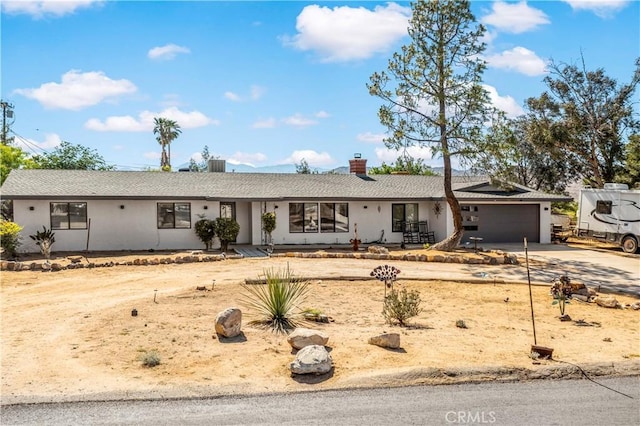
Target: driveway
(610, 270)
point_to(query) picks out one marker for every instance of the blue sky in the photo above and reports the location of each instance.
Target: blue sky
(263, 83)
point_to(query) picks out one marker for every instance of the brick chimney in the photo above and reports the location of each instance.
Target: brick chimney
(358, 165)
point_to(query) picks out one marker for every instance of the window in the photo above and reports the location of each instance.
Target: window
(303, 217)
(334, 217)
(68, 215)
(403, 213)
(603, 207)
(228, 210)
(174, 215)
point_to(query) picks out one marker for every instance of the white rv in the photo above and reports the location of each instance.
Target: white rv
(611, 214)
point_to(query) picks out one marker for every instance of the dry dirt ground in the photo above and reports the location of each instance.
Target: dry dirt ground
(71, 335)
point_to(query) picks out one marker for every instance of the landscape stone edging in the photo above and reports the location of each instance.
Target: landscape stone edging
(17, 266)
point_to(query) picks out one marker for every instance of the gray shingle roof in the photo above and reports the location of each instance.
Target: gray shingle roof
(80, 184)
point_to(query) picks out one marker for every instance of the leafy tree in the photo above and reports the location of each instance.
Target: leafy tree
(631, 172)
(585, 116)
(70, 157)
(12, 157)
(404, 164)
(508, 154)
(166, 131)
(304, 169)
(227, 230)
(203, 165)
(437, 99)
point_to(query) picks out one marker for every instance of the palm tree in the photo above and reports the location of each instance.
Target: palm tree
(166, 131)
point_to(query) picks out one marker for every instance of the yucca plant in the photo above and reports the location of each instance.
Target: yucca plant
(44, 239)
(276, 300)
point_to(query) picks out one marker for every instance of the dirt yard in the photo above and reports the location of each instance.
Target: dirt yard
(71, 334)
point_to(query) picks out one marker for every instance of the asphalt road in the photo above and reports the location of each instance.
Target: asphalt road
(542, 402)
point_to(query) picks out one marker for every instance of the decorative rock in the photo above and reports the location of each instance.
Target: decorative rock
(229, 322)
(55, 267)
(303, 337)
(378, 250)
(636, 306)
(607, 302)
(313, 359)
(386, 340)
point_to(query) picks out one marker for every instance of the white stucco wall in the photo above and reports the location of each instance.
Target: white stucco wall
(112, 228)
(371, 217)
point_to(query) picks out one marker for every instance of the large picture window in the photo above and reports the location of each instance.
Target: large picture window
(174, 215)
(68, 215)
(402, 213)
(303, 217)
(334, 217)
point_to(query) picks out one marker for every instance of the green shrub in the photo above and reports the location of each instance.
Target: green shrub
(227, 230)
(269, 223)
(276, 300)
(150, 359)
(206, 230)
(10, 238)
(461, 324)
(401, 305)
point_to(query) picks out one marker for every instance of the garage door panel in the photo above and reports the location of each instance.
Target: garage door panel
(501, 223)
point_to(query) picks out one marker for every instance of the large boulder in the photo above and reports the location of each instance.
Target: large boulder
(386, 340)
(607, 302)
(302, 337)
(229, 322)
(313, 359)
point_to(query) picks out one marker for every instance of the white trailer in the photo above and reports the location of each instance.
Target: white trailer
(611, 214)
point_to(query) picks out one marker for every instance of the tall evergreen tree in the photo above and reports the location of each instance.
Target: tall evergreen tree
(433, 93)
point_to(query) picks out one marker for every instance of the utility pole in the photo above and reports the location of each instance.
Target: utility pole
(7, 114)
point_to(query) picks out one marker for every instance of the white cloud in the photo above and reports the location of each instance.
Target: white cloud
(232, 96)
(255, 93)
(46, 8)
(78, 90)
(345, 33)
(313, 158)
(167, 52)
(504, 103)
(144, 121)
(602, 8)
(519, 59)
(51, 140)
(515, 17)
(248, 158)
(369, 137)
(298, 120)
(266, 123)
(322, 114)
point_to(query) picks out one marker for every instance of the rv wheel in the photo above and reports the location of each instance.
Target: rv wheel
(629, 244)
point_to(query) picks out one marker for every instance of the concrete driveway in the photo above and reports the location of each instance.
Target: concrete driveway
(612, 270)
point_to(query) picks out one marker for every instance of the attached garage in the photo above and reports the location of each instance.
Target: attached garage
(501, 223)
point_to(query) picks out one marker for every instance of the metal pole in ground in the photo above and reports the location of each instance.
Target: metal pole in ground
(533, 320)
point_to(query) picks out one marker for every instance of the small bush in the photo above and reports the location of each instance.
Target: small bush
(276, 300)
(150, 359)
(10, 238)
(206, 230)
(401, 305)
(227, 230)
(461, 324)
